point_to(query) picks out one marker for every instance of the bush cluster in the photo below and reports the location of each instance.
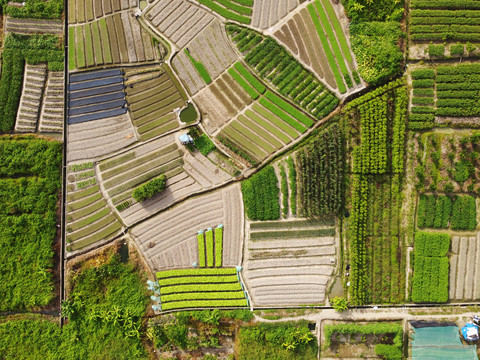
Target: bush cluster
(150, 189)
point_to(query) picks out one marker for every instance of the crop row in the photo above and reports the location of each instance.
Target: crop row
(464, 214)
(446, 4)
(284, 189)
(434, 212)
(244, 84)
(195, 272)
(218, 246)
(249, 77)
(214, 295)
(273, 63)
(399, 125)
(207, 278)
(209, 246)
(199, 67)
(292, 177)
(431, 244)
(204, 304)
(201, 250)
(373, 328)
(322, 159)
(224, 10)
(174, 289)
(430, 279)
(299, 233)
(282, 115)
(260, 195)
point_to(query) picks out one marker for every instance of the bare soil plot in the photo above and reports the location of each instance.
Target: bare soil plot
(89, 221)
(33, 26)
(152, 100)
(80, 11)
(289, 262)
(95, 139)
(31, 99)
(169, 239)
(178, 20)
(221, 101)
(51, 116)
(465, 268)
(113, 39)
(186, 174)
(210, 48)
(267, 13)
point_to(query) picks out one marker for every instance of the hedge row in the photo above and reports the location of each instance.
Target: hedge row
(292, 177)
(371, 329)
(431, 244)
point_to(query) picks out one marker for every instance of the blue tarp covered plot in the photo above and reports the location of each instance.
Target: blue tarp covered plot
(96, 95)
(440, 343)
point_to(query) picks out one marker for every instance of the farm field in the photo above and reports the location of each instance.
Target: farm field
(52, 111)
(33, 26)
(81, 11)
(290, 262)
(465, 252)
(316, 35)
(277, 66)
(204, 58)
(169, 239)
(267, 13)
(178, 20)
(153, 98)
(113, 39)
(187, 173)
(90, 221)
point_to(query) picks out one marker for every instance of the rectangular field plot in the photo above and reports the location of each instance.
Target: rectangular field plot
(114, 39)
(273, 63)
(290, 262)
(201, 288)
(465, 268)
(152, 100)
(267, 13)
(170, 239)
(90, 220)
(316, 35)
(81, 11)
(204, 58)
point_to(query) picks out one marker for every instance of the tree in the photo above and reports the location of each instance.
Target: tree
(340, 304)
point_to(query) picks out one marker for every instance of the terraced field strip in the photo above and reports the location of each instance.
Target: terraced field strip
(200, 288)
(152, 104)
(81, 11)
(96, 95)
(168, 240)
(114, 39)
(33, 26)
(52, 113)
(290, 262)
(221, 101)
(275, 65)
(89, 218)
(440, 20)
(464, 268)
(31, 99)
(178, 20)
(267, 13)
(236, 10)
(205, 57)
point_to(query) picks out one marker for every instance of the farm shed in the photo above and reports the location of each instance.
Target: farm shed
(439, 341)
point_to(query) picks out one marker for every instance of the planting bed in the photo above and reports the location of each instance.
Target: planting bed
(221, 101)
(273, 63)
(152, 101)
(316, 35)
(237, 10)
(52, 113)
(178, 20)
(90, 220)
(80, 11)
(33, 26)
(465, 268)
(186, 174)
(31, 100)
(200, 288)
(96, 95)
(267, 13)
(169, 239)
(290, 262)
(113, 39)
(210, 49)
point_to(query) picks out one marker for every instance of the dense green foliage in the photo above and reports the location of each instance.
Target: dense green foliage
(29, 181)
(260, 195)
(204, 144)
(292, 177)
(199, 67)
(276, 65)
(375, 46)
(431, 244)
(284, 190)
(379, 10)
(19, 49)
(277, 341)
(150, 189)
(321, 174)
(37, 9)
(231, 10)
(430, 279)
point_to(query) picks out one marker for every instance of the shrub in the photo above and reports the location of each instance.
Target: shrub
(436, 50)
(204, 144)
(150, 189)
(457, 49)
(340, 304)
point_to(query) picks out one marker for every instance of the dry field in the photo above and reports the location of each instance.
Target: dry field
(267, 13)
(464, 268)
(169, 239)
(209, 47)
(186, 174)
(51, 116)
(80, 11)
(289, 263)
(221, 101)
(178, 20)
(33, 26)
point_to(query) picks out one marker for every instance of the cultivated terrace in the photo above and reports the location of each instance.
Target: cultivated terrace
(239, 179)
